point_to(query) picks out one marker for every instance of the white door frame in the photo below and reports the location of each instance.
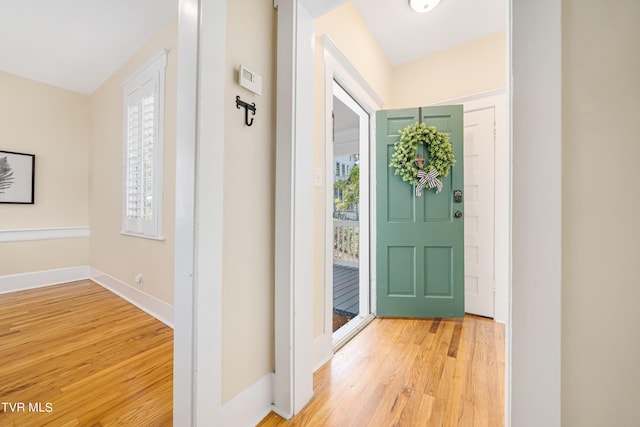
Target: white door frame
(497, 99)
(533, 377)
(339, 70)
(199, 194)
(293, 379)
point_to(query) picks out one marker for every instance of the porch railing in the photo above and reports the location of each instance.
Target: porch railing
(346, 242)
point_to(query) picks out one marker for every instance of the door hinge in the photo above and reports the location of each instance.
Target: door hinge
(333, 126)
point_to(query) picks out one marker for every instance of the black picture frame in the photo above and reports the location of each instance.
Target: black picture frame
(17, 177)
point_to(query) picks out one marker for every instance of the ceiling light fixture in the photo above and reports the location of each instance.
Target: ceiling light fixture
(422, 6)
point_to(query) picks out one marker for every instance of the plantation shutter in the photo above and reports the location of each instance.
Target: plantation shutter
(143, 149)
(134, 176)
(148, 139)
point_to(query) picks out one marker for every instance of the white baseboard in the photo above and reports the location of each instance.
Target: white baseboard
(145, 302)
(250, 406)
(39, 279)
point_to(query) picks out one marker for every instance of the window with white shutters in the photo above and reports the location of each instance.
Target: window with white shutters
(143, 134)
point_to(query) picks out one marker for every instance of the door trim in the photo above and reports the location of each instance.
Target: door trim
(497, 99)
(364, 247)
(338, 68)
(535, 322)
(293, 266)
(198, 250)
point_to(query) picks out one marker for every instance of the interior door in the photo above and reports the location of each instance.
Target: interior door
(419, 240)
(479, 226)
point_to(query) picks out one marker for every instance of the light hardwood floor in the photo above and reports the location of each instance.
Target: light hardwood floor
(82, 356)
(78, 355)
(412, 373)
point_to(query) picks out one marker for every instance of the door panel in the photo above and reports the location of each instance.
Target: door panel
(438, 266)
(479, 191)
(420, 266)
(437, 212)
(401, 279)
(400, 205)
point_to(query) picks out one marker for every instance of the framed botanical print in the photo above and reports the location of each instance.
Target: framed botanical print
(17, 173)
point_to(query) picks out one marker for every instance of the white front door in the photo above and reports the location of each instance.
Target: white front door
(479, 198)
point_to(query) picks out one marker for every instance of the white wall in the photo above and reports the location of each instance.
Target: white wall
(533, 335)
(600, 230)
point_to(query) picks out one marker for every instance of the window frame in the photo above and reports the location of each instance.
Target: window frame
(149, 79)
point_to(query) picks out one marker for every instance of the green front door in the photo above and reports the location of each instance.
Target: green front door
(420, 259)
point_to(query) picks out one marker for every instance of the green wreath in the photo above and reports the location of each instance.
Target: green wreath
(439, 149)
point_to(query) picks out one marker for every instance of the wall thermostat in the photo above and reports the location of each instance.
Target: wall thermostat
(250, 80)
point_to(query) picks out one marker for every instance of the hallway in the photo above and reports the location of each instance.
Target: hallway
(411, 372)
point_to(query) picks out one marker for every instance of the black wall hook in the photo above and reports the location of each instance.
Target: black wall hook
(247, 107)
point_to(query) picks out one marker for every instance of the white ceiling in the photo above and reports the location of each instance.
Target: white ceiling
(76, 44)
(405, 35)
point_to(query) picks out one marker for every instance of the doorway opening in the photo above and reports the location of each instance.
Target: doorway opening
(348, 224)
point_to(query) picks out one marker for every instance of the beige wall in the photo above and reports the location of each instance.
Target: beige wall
(601, 233)
(249, 209)
(53, 124)
(122, 256)
(350, 34)
(468, 69)
(42, 255)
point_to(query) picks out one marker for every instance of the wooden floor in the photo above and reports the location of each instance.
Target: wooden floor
(412, 373)
(346, 291)
(78, 355)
